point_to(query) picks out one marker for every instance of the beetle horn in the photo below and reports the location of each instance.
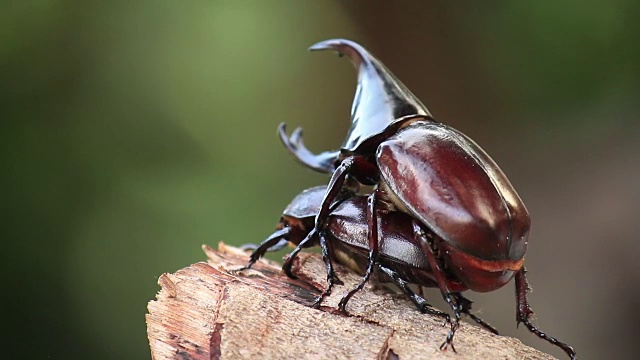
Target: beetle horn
(380, 100)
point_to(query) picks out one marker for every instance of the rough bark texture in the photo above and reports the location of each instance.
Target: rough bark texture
(208, 311)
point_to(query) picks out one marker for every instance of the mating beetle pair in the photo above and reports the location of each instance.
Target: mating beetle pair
(402, 260)
(469, 222)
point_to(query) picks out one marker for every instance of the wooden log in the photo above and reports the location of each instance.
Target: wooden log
(209, 311)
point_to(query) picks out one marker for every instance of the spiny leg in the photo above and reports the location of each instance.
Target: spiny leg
(335, 188)
(288, 263)
(465, 308)
(524, 312)
(253, 247)
(419, 301)
(271, 242)
(332, 278)
(372, 219)
(442, 284)
(335, 193)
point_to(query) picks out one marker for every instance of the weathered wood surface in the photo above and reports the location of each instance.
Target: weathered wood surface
(208, 311)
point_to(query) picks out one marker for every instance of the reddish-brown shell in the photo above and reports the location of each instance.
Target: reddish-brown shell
(398, 247)
(348, 223)
(450, 184)
(306, 204)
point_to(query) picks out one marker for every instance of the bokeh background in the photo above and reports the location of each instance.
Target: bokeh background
(133, 132)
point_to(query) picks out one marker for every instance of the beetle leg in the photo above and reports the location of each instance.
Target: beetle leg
(372, 220)
(357, 164)
(274, 241)
(333, 189)
(288, 263)
(332, 278)
(465, 308)
(323, 162)
(253, 247)
(442, 283)
(524, 312)
(419, 301)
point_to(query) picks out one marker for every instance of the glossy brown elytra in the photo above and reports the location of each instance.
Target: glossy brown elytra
(447, 184)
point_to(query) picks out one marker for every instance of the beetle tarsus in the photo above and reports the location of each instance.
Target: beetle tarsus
(276, 241)
(454, 324)
(465, 308)
(418, 232)
(524, 313)
(419, 301)
(288, 263)
(332, 278)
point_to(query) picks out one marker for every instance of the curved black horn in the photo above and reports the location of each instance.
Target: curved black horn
(380, 100)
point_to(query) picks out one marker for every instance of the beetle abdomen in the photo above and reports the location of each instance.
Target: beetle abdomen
(348, 224)
(449, 183)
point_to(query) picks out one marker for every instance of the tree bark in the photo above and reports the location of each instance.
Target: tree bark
(209, 311)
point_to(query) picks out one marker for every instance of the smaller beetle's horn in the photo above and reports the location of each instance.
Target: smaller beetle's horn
(380, 99)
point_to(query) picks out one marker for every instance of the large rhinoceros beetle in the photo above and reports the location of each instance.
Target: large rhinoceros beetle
(434, 173)
(402, 260)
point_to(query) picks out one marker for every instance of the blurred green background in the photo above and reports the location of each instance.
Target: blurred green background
(134, 132)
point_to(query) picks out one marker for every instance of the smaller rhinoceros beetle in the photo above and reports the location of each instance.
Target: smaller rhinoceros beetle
(402, 257)
(448, 185)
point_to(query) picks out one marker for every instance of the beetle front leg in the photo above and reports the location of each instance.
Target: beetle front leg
(351, 165)
(253, 247)
(442, 283)
(272, 241)
(524, 312)
(372, 219)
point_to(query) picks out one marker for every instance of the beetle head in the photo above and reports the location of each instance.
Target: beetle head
(381, 100)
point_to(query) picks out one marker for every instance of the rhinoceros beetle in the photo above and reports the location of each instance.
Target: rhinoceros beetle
(402, 258)
(434, 173)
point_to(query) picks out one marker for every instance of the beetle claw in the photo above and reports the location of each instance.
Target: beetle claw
(445, 346)
(316, 304)
(319, 299)
(337, 281)
(342, 306)
(286, 267)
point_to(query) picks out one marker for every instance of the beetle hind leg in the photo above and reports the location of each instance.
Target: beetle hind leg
(419, 301)
(465, 308)
(524, 312)
(442, 284)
